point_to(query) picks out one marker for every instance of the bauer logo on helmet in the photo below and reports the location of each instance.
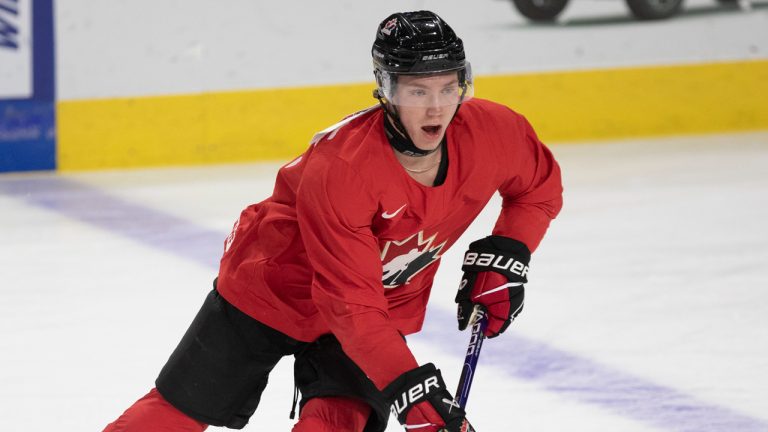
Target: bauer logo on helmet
(434, 57)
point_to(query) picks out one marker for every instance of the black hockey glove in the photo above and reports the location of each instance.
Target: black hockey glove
(421, 403)
(495, 270)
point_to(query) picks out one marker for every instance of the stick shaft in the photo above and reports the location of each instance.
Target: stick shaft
(470, 361)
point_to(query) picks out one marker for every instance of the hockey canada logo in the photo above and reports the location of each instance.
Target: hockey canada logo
(389, 26)
(404, 259)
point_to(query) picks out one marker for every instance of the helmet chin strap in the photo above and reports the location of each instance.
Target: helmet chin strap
(397, 135)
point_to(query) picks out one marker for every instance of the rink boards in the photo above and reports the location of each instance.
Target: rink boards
(219, 127)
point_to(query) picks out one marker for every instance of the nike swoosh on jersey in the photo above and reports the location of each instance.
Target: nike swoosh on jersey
(386, 215)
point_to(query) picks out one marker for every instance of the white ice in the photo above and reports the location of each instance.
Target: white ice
(650, 285)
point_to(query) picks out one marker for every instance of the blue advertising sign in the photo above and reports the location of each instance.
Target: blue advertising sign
(27, 86)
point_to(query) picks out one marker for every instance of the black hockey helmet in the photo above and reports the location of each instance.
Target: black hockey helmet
(417, 43)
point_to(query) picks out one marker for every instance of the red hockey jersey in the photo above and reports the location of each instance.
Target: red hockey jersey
(349, 243)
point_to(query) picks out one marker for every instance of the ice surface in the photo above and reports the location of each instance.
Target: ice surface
(646, 309)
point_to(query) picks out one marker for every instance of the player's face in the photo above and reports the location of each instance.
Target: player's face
(426, 105)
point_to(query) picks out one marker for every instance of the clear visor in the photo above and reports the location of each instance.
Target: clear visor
(432, 90)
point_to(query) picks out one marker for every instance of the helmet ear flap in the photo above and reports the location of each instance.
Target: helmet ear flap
(465, 75)
(377, 91)
(385, 84)
(379, 79)
(466, 83)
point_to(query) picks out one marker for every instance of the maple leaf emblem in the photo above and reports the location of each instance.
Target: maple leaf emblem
(403, 259)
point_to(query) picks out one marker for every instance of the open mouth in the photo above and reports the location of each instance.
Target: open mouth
(432, 130)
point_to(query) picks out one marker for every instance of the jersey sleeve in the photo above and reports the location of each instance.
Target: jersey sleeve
(335, 209)
(532, 190)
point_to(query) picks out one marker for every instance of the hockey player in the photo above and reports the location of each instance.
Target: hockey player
(336, 267)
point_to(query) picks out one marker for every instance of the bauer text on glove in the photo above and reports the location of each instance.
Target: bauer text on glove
(421, 403)
(495, 270)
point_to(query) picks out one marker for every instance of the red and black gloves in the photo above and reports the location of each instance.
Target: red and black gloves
(421, 403)
(495, 270)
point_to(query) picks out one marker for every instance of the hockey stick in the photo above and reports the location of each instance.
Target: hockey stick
(479, 322)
